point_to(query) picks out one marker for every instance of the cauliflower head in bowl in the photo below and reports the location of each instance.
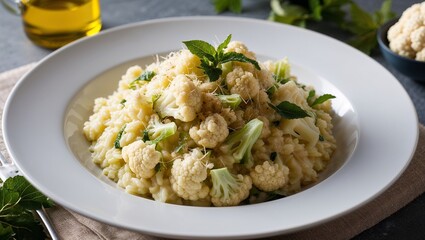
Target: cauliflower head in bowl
(407, 36)
(211, 126)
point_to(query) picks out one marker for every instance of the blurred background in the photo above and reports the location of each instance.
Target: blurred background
(20, 50)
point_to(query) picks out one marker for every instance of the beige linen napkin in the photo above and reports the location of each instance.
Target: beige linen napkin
(410, 185)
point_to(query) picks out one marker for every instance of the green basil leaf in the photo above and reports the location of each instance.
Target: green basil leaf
(361, 21)
(147, 76)
(271, 90)
(232, 5)
(212, 72)
(123, 102)
(384, 14)
(311, 94)
(288, 13)
(364, 42)
(224, 44)
(235, 6)
(322, 99)
(117, 144)
(333, 10)
(30, 197)
(289, 110)
(316, 9)
(146, 137)
(238, 57)
(201, 49)
(211, 58)
(334, 14)
(280, 80)
(333, 3)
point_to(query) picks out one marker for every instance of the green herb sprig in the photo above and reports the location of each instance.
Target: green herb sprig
(212, 58)
(289, 110)
(145, 76)
(117, 143)
(319, 100)
(232, 5)
(18, 198)
(346, 14)
(364, 26)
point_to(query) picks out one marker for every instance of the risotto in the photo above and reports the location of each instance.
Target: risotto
(211, 126)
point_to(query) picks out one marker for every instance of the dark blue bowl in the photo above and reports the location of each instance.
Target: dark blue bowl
(408, 67)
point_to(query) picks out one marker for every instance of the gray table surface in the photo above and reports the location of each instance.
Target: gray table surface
(16, 50)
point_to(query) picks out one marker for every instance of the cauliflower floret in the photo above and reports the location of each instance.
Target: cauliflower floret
(243, 83)
(269, 176)
(413, 23)
(187, 63)
(181, 100)
(141, 158)
(161, 189)
(239, 143)
(251, 111)
(292, 93)
(129, 133)
(281, 69)
(208, 87)
(153, 67)
(188, 175)
(275, 141)
(302, 128)
(230, 116)
(132, 73)
(259, 107)
(182, 62)
(137, 107)
(402, 46)
(260, 151)
(420, 56)
(410, 11)
(157, 85)
(96, 124)
(210, 132)
(239, 47)
(407, 36)
(228, 189)
(133, 185)
(418, 39)
(265, 133)
(231, 101)
(157, 131)
(265, 77)
(210, 104)
(394, 31)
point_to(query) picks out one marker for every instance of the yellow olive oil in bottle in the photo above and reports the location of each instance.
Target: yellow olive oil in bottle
(54, 23)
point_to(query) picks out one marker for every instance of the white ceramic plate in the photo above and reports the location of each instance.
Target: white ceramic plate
(375, 125)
